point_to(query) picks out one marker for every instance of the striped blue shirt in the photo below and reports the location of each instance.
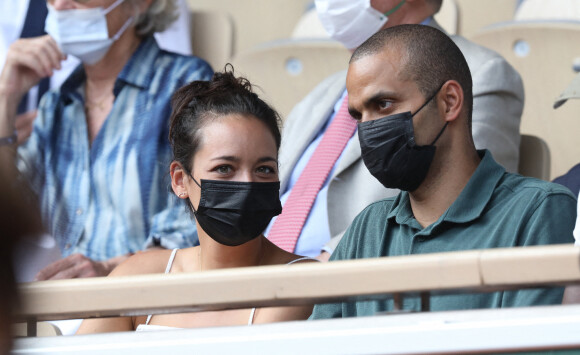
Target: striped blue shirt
(113, 196)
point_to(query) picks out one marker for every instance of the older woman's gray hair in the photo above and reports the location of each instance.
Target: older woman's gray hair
(157, 18)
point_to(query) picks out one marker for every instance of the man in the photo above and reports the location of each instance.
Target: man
(348, 187)
(410, 89)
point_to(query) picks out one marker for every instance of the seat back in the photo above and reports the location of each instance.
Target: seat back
(309, 26)
(212, 37)
(288, 70)
(448, 16)
(534, 157)
(545, 55)
(256, 21)
(475, 15)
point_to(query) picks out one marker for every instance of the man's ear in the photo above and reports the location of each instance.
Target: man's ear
(450, 100)
(178, 179)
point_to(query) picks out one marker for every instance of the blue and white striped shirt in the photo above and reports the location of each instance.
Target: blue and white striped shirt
(113, 196)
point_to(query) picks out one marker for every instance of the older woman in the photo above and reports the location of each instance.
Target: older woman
(98, 152)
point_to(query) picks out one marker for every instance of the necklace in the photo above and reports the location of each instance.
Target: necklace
(100, 103)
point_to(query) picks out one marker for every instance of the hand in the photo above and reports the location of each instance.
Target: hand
(78, 266)
(324, 256)
(23, 125)
(27, 62)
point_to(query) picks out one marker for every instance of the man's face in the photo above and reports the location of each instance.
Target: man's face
(376, 89)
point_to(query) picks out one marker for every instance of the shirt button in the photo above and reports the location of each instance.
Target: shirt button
(67, 246)
(79, 211)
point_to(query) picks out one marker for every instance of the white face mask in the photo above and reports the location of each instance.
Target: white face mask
(83, 33)
(351, 22)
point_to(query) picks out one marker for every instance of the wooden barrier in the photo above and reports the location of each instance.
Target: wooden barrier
(466, 271)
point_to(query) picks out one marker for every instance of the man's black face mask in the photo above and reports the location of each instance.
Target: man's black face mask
(390, 153)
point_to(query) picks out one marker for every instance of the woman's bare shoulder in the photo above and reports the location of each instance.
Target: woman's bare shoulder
(280, 256)
(144, 262)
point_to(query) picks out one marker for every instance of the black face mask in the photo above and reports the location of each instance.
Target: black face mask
(390, 153)
(235, 212)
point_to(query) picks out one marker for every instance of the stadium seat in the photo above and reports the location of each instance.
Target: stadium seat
(212, 37)
(287, 70)
(256, 21)
(547, 59)
(475, 15)
(534, 157)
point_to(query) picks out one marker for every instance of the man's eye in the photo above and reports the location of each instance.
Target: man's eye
(384, 104)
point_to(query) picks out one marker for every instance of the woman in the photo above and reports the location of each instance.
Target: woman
(97, 155)
(225, 144)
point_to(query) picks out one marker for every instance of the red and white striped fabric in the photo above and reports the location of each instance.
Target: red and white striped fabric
(288, 226)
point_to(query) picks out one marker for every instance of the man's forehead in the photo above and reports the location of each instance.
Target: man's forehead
(382, 66)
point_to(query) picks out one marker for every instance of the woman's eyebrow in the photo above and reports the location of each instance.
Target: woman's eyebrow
(267, 159)
(227, 157)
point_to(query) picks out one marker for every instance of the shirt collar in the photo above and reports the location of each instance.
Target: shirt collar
(470, 203)
(136, 72)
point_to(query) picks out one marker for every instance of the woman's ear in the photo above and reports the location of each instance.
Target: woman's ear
(450, 100)
(178, 180)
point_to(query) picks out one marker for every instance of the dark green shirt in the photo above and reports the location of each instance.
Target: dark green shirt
(496, 209)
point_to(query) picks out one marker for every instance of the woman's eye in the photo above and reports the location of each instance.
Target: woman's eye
(266, 170)
(223, 169)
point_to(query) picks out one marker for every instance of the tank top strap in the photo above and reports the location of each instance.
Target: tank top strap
(170, 262)
(167, 269)
(302, 258)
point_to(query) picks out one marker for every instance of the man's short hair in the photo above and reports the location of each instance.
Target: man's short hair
(431, 58)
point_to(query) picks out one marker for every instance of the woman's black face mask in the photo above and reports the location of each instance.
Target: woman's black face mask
(390, 153)
(235, 212)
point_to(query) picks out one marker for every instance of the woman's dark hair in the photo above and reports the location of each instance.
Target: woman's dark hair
(203, 101)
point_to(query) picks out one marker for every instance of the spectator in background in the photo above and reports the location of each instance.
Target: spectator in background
(572, 181)
(97, 155)
(225, 147)
(557, 10)
(327, 167)
(572, 178)
(25, 19)
(19, 219)
(410, 89)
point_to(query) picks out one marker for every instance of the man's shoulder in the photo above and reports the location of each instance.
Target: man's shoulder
(530, 188)
(375, 214)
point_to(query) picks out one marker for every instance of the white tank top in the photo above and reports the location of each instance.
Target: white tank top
(149, 327)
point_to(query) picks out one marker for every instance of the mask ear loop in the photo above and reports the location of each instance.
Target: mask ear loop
(197, 183)
(425, 104)
(429, 99)
(390, 12)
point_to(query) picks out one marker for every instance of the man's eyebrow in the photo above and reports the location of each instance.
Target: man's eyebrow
(378, 97)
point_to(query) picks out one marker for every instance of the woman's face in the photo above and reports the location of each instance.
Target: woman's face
(236, 148)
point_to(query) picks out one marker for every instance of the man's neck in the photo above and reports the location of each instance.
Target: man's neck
(442, 186)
